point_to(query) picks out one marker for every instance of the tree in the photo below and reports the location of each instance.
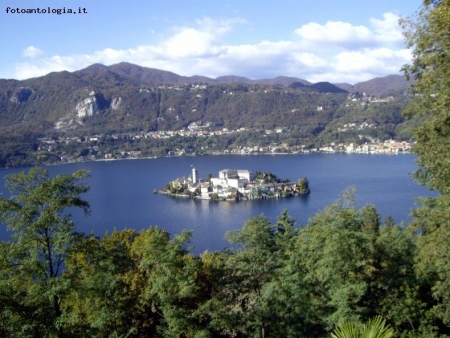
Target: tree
(208, 178)
(427, 34)
(248, 272)
(394, 291)
(244, 302)
(170, 291)
(103, 299)
(31, 284)
(432, 264)
(303, 185)
(285, 224)
(251, 295)
(335, 255)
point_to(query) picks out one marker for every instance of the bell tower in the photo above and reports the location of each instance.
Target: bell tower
(194, 175)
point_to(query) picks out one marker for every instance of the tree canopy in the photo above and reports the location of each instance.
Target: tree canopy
(428, 36)
(32, 286)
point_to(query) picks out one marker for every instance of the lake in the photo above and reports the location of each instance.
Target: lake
(121, 194)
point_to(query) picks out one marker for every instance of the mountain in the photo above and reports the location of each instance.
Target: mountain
(128, 97)
(297, 85)
(281, 80)
(321, 87)
(138, 75)
(345, 86)
(125, 73)
(326, 87)
(231, 79)
(380, 86)
(125, 99)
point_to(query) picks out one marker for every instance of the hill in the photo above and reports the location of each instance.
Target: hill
(128, 99)
(326, 87)
(380, 86)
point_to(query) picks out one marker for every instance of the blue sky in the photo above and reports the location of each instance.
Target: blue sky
(317, 40)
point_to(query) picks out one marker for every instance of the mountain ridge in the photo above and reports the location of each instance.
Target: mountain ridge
(123, 95)
(125, 72)
(125, 99)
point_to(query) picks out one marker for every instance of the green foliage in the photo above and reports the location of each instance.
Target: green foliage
(354, 268)
(208, 178)
(303, 185)
(171, 288)
(386, 120)
(336, 257)
(432, 263)
(18, 146)
(102, 298)
(264, 177)
(244, 306)
(374, 328)
(176, 188)
(427, 35)
(32, 286)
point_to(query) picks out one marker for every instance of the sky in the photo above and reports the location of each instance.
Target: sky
(316, 40)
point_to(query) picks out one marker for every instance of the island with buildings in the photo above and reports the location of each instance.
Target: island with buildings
(234, 185)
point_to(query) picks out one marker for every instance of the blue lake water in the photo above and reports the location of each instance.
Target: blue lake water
(121, 191)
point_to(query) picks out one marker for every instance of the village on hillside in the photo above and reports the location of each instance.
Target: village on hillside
(234, 184)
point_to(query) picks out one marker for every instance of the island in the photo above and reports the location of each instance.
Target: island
(235, 185)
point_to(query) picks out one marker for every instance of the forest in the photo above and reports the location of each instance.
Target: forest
(346, 273)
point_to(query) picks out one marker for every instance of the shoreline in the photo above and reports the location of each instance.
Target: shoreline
(212, 154)
(262, 198)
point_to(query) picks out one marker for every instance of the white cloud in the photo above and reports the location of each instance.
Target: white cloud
(388, 30)
(375, 60)
(190, 42)
(337, 33)
(335, 52)
(219, 27)
(32, 52)
(347, 36)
